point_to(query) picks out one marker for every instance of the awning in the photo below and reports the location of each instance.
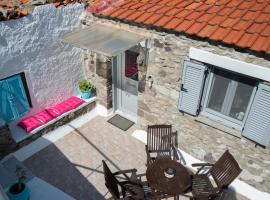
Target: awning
(104, 39)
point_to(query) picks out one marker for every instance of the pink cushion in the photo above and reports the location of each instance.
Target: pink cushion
(59, 109)
(44, 116)
(54, 113)
(30, 124)
(74, 102)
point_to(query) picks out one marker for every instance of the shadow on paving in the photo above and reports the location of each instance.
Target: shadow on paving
(51, 165)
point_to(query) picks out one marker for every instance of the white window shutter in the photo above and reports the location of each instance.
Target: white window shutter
(257, 127)
(191, 87)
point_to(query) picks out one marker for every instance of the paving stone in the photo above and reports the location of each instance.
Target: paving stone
(74, 163)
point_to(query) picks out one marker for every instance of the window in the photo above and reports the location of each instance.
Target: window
(229, 95)
(131, 65)
(14, 97)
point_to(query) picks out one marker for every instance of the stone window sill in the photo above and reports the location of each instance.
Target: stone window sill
(219, 126)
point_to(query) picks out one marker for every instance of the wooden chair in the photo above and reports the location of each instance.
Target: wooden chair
(160, 142)
(223, 172)
(126, 189)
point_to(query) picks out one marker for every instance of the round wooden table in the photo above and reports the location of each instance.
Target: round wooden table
(168, 176)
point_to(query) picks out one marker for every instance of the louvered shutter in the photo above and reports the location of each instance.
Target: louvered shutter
(191, 87)
(7, 112)
(257, 127)
(19, 98)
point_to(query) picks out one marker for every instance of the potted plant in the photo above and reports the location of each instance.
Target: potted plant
(87, 89)
(19, 190)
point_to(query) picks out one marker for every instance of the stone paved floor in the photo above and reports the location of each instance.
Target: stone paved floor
(73, 163)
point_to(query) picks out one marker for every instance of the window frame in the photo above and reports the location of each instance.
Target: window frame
(23, 80)
(217, 116)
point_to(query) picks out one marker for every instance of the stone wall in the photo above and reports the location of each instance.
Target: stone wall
(98, 70)
(159, 103)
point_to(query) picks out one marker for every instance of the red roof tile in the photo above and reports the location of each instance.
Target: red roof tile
(243, 23)
(173, 23)
(163, 21)
(247, 40)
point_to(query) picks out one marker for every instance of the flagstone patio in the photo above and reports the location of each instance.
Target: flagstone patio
(73, 163)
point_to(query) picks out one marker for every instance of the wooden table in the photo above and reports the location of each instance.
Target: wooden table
(168, 176)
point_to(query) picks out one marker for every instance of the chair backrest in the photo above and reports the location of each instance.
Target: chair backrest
(225, 170)
(110, 181)
(159, 138)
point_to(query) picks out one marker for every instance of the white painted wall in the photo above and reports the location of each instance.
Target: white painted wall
(31, 45)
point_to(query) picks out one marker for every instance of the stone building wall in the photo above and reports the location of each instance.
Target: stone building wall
(158, 104)
(98, 70)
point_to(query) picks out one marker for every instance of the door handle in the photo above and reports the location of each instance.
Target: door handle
(183, 89)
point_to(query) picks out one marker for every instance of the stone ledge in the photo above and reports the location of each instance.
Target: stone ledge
(64, 120)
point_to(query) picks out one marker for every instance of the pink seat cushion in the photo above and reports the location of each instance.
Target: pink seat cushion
(30, 124)
(54, 113)
(59, 109)
(44, 116)
(74, 102)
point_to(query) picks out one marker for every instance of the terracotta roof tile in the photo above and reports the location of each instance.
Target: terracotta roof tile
(262, 43)
(220, 33)
(154, 18)
(214, 9)
(173, 23)
(267, 9)
(118, 12)
(164, 9)
(207, 30)
(143, 17)
(183, 13)
(246, 4)
(258, 6)
(173, 12)
(233, 37)
(184, 4)
(237, 13)
(184, 25)
(256, 28)
(124, 15)
(250, 15)
(174, 2)
(194, 15)
(243, 23)
(205, 17)
(193, 5)
(217, 20)
(135, 15)
(145, 7)
(266, 31)
(247, 40)
(195, 28)
(155, 8)
(225, 11)
(137, 5)
(163, 21)
(229, 22)
(233, 4)
(263, 17)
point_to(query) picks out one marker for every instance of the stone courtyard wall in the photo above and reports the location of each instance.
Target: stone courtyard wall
(98, 70)
(158, 104)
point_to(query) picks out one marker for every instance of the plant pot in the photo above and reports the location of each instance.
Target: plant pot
(86, 95)
(15, 194)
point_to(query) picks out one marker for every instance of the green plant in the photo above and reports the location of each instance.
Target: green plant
(21, 176)
(85, 86)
